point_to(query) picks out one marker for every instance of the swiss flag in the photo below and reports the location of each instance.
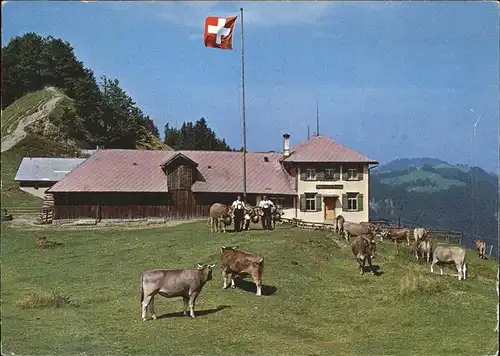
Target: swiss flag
(219, 32)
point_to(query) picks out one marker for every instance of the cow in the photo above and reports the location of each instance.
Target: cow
(276, 212)
(356, 229)
(443, 254)
(170, 283)
(421, 233)
(423, 248)
(251, 215)
(235, 262)
(480, 248)
(397, 234)
(219, 214)
(339, 224)
(363, 247)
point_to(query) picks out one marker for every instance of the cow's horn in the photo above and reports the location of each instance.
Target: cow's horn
(200, 266)
(235, 247)
(211, 266)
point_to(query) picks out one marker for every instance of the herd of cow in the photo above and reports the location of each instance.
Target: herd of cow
(188, 283)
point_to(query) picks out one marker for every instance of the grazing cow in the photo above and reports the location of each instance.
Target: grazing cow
(235, 262)
(480, 248)
(420, 233)
(276, 212)
(423, 248)
(339, 224)
(170, 283)
(356, 229)
(220, 214)
(363, 247)
(450, 254)
(397, 234)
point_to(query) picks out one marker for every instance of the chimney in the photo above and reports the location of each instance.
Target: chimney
(286, 145)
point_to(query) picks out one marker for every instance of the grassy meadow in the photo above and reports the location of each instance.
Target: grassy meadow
(83, 296)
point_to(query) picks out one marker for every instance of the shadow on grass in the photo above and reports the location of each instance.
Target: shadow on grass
(376, 270)
(250, 287)
(197, 313)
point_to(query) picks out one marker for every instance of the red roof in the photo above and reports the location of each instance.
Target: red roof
(222, 171)
(324, 149)
(118, 171)
(140, 171)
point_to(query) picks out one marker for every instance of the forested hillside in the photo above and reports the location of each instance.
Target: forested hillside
(435, 193)
(98, 113)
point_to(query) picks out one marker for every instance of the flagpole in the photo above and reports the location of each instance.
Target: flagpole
(243, 112)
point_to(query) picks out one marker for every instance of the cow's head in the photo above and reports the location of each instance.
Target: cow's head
(206, 270)
(228, 248)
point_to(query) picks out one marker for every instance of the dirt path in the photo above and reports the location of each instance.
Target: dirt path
(43, 110)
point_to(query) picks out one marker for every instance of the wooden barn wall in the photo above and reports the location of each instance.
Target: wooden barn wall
(177, 204)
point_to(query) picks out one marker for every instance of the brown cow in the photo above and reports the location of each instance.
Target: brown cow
(339, 225)
(251, 215)
(421, 233)
(363, 247)
(219, 214)
(423, 248)
(356, 229)
(234, 262)
(171, 283)
(397, 234)
(480, 248)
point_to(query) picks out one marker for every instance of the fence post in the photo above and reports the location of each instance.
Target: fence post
(491, 249)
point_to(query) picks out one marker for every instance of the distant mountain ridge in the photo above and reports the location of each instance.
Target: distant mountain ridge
(432, 192)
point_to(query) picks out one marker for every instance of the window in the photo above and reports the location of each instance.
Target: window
(352, 201)
(310, 174)
(310, 202)
(352, 173)
(329, 174)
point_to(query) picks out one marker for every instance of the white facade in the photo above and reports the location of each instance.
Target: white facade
(325, 191)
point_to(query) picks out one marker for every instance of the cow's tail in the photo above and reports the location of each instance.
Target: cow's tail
(142, 288)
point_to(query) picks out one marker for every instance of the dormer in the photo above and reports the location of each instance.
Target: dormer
(181, 172)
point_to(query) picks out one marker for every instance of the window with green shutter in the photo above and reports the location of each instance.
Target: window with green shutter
(302, 175)
(310, 202)
(344, 202)
(320, 175)
(336, 176)
(319, 202)
(360, 202)
(302, 202)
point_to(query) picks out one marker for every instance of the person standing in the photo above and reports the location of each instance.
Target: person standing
(238, 213)
(266, 205)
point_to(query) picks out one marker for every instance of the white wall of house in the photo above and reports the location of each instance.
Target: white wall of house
(315, 196)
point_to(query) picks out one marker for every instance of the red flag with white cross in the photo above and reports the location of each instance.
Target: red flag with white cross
(219, 32)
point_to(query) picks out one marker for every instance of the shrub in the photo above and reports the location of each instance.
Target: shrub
(415, 283)
(38, 299)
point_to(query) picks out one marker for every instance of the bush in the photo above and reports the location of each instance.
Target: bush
(38, 299)
(415, 283)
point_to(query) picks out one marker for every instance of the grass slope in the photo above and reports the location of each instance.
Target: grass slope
(83, 296)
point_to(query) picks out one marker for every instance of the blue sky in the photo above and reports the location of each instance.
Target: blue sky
(393, 80)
